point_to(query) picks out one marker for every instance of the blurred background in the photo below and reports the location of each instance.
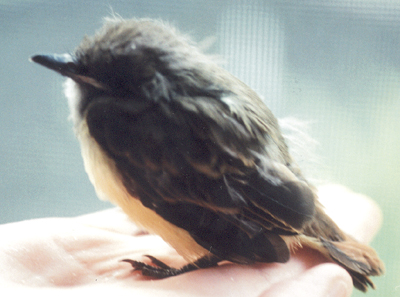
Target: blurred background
(333, 64)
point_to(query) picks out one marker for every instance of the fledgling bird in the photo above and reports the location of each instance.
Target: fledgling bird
(192, 154)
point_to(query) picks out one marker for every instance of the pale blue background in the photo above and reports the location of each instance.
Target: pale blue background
(332, 63)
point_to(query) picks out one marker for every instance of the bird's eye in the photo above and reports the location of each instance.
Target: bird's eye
(72, 67)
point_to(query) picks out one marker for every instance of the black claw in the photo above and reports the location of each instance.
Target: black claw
(135, 264)
(157, 262)
(162, 270)
(148, 270)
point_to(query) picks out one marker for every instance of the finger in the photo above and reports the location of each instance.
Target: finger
(320, 281)
(356, 214)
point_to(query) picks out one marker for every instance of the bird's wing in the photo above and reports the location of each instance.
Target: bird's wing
(207, 171)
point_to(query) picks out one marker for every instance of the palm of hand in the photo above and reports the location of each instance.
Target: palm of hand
(84, 253)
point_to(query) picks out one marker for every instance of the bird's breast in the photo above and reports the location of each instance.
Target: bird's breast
(108, 184)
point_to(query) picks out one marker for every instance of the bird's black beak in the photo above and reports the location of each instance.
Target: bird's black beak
(66, 65)
(63, 64)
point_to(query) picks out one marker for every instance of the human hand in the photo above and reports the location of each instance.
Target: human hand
(82, 255)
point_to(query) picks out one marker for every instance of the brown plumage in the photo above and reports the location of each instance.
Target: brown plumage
(192, 154)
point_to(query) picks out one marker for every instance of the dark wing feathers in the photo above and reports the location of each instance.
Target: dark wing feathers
(198, 166)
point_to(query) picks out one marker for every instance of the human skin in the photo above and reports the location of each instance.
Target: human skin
(82, 255)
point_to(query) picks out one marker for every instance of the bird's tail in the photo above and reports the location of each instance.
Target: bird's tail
(360, 260)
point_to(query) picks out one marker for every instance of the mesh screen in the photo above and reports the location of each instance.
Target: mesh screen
(332, 64)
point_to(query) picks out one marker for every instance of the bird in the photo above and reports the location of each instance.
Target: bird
(192, 154)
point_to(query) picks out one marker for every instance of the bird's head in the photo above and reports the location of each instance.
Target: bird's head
(126, 60)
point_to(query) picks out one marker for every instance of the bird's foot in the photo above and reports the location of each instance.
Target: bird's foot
(161, 270)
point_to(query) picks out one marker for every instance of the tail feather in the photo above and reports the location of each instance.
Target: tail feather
(361, 282)
(360, 260)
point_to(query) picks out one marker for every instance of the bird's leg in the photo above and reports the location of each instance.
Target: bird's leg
(162, 270)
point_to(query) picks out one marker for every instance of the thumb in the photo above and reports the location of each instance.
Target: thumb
(324, 280)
